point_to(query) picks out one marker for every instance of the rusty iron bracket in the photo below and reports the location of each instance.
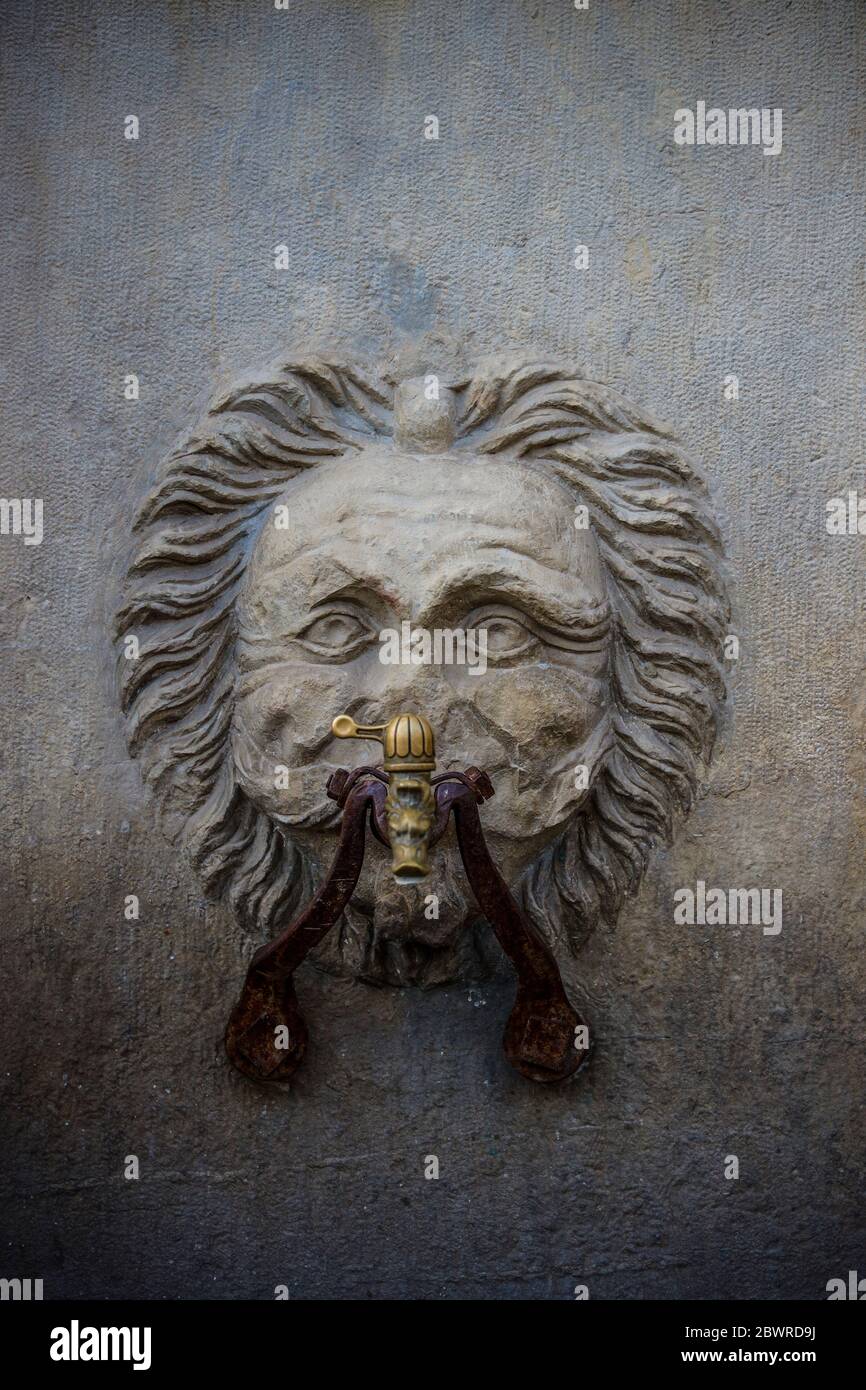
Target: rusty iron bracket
(266, 1037)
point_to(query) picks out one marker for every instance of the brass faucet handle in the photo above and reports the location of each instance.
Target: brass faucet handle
(344, 726)
(407, 740)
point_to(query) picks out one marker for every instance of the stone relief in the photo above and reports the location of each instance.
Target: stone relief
(316, 508)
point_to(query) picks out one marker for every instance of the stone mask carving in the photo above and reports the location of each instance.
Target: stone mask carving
(313, 510)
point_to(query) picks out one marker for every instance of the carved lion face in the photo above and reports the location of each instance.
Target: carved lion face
(321, 509)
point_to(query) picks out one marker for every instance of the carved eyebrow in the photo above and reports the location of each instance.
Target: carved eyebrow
(337, 581)
(569, 614)
(527, 586)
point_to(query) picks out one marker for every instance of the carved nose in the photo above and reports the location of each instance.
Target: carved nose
(402, 686)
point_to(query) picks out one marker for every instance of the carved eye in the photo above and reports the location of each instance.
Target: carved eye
(506, 637)
(337, 634)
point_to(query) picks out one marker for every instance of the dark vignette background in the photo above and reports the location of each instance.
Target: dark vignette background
(155, 257)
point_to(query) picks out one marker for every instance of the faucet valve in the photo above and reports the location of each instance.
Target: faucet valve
(410, 806)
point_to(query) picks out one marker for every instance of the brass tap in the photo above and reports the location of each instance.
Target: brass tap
(410, 806)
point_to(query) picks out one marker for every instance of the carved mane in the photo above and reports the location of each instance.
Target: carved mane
(649, 511)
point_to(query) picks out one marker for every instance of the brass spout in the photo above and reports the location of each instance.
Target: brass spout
(410, 806)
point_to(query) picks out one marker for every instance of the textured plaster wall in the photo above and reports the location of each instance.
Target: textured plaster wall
(155, 257)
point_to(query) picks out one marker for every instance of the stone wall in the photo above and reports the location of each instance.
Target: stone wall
(155, 257)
